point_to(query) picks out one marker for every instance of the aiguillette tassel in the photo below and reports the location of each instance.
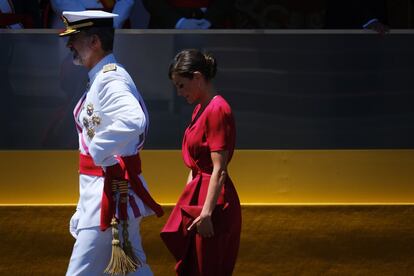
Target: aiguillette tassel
(128, 249)
(120, 263)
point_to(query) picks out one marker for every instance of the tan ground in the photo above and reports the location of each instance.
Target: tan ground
(278, 240)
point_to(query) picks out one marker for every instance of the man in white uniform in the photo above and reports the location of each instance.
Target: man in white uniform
(112, 122)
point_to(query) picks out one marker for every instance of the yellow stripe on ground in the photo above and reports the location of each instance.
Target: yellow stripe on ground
(260, 176)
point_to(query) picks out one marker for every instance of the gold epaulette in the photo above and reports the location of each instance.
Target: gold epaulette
(109, 67)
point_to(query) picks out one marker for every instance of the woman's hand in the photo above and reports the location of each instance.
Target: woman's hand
(204, 226)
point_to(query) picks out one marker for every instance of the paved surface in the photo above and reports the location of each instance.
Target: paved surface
(277, 240)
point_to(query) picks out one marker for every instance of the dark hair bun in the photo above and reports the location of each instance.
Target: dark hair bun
(189, 61)
(211, 65)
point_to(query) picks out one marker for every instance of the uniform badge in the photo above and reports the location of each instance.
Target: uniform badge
(96, 120)
(90, 132)
(91, 121)
(89, 109)
(109, 67)
(85, 122)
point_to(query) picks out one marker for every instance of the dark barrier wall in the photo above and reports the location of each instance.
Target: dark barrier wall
(288, 89)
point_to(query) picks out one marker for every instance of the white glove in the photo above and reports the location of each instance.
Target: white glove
(190, 24)
(73, 225)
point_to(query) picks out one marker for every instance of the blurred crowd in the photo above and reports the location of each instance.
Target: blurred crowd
(206, 14)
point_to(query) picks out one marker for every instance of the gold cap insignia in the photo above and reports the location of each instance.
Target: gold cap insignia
(75, 21)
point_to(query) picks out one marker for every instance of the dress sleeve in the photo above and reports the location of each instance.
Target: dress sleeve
(218, 128)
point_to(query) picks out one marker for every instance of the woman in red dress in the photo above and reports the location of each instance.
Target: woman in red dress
(203, 230)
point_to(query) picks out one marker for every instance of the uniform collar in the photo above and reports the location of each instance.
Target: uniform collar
(98, 67)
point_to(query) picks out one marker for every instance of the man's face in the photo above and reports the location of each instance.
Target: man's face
(80, 46)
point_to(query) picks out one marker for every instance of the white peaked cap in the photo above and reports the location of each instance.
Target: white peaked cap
(73, 16)
(78, 20)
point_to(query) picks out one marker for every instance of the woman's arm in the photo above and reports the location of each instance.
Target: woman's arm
(203, 222)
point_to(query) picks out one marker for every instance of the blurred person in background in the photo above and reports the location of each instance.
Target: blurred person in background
(121, 7)
(19, 14)
(189, 14)
(356, 14)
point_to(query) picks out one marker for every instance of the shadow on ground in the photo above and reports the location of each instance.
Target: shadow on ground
(276, 240)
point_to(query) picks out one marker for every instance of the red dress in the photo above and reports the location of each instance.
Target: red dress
(213, 130)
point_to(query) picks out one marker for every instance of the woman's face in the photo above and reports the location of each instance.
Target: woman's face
(187, 88)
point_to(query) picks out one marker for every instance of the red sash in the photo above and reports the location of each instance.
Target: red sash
(131, 169)
(88, 167)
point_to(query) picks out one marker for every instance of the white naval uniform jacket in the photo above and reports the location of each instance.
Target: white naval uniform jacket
(112, 120)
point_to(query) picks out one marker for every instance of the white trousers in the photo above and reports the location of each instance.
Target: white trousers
(92, 251)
